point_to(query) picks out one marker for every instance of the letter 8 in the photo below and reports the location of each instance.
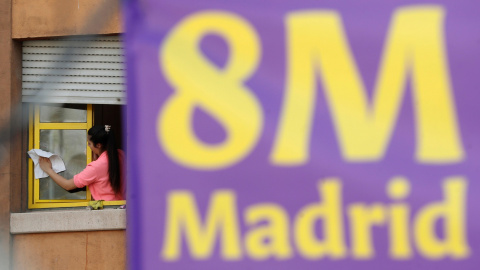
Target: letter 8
(221, 93)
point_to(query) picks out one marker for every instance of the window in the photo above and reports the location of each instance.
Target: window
(81, 75)
(61, 130)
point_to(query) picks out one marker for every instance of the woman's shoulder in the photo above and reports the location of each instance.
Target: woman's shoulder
(103, 158)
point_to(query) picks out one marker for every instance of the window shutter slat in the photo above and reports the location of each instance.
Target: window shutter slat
(74, 71)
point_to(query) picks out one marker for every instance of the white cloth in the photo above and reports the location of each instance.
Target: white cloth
(57, 163)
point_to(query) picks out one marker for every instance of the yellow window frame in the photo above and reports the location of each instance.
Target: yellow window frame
(34, 201)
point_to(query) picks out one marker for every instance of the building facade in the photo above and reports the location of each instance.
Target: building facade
(54, 232)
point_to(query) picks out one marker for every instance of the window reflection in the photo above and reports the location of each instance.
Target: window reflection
(68, 114)
(71, 146)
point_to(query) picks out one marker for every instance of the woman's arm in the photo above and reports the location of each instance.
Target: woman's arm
(46, 166)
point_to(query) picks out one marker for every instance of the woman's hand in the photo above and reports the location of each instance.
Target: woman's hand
(45, 164)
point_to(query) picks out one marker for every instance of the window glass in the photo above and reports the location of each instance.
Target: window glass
(71, 146)
(67, 114)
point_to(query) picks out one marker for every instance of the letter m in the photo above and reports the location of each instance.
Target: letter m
(182, 216)
(414, 47)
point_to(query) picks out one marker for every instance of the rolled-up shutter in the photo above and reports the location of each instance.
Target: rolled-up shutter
(74, 70)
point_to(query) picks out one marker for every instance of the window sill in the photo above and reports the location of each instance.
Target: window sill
(68, 221)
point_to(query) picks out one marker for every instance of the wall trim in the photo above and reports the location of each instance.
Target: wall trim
(68, 221)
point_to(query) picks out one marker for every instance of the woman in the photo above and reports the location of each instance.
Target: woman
(104, 176)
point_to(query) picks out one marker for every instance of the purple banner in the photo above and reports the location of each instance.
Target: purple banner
(309, 134)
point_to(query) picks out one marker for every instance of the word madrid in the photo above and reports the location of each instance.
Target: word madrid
(270, 229)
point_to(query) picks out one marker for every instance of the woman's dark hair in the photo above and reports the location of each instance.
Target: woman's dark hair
(99, 134)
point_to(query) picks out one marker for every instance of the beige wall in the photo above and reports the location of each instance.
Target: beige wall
(51, 18)
(10, 164)
(75, 250)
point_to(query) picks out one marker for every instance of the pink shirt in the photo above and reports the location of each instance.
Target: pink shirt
(95, 176)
